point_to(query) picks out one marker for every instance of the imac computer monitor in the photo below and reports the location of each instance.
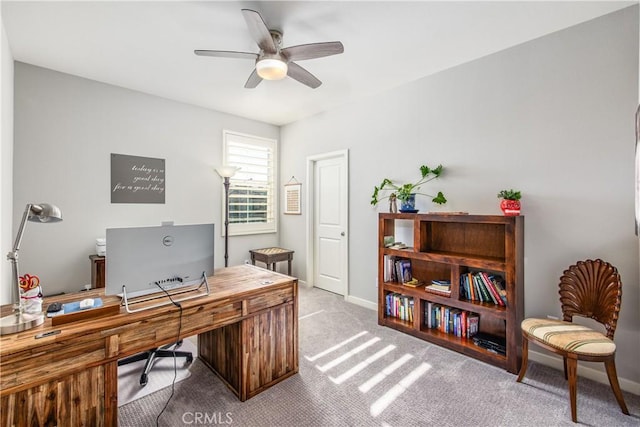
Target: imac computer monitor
(144, 258)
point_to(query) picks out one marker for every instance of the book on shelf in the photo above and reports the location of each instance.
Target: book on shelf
(438, 291)
(498, 282)
(389, 272)
(467, 290)
(486, 296)
(398, 245)
(439, 288)
(483, 287)
(473, 324)
(489, 284)
(414, 283)
(441, 282)
(403, 271)
(388, 241)
(492, 343)
(399, 306)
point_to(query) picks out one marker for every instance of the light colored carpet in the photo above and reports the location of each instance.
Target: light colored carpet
(356, 373)
(161, 376)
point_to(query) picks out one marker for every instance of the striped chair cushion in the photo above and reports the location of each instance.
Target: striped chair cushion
(569, 337)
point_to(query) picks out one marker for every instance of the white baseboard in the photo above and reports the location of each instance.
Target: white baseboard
(361, 302)
(583, 371)
(304, 284)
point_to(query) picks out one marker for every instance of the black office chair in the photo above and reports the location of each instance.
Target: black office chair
(152, 355)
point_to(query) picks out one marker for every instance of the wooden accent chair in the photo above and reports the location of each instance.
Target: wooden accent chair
(591, 289)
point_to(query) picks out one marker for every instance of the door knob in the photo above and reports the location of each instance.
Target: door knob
(342, 234)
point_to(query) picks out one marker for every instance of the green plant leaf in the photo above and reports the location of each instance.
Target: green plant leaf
(386, 181)
(439, 199)
(374, 197)
(509, 194)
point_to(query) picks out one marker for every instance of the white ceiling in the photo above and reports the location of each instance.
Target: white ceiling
(148, 45)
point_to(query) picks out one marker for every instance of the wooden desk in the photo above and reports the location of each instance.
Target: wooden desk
(271, 256)
(247, 334)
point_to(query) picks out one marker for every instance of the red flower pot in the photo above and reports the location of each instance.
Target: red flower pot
(510, 207)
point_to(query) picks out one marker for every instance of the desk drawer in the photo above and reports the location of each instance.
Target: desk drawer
(162, 329)
(270, 299)
(50, 361)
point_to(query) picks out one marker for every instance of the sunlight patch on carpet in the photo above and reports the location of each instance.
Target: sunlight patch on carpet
(362, 365)
(380, 376)
(394, 392)
(335, 347)
(310, 314)
(346, 356)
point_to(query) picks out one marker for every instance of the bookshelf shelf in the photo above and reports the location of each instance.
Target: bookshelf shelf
(402, 325)
(455, 247)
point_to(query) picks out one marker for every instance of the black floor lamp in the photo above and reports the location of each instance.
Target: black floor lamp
(225, 173)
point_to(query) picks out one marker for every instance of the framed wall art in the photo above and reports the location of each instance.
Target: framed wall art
(136, 179)
(292, 198)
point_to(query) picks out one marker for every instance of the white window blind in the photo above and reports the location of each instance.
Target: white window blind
(252, 191)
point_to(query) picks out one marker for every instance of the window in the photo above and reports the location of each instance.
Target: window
(252, 191)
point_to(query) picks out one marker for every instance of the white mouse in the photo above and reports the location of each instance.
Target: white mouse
(86, 303)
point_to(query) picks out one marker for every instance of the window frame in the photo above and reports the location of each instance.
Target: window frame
(243, 229)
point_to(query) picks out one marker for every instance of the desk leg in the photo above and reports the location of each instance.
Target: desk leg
(111, 394)
(255, 353)
(270, 349)
(220, 350)
(289, 266)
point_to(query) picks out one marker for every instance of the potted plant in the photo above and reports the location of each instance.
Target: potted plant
(406, 192)
(510, 203)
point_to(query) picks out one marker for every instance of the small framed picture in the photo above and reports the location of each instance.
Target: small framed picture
(292, 199)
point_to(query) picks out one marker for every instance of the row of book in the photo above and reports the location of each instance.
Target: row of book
(483, 287)
(399, 306)
(450, 320)
(397, 270)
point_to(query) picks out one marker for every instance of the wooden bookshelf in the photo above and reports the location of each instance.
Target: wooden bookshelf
(447, 246)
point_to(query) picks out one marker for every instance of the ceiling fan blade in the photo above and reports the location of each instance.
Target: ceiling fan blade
(259, 31)
(312, 50)
(253, 80)
(303, 76)
(226, 54)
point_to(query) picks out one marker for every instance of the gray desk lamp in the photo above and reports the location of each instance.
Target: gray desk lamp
(226, 172)
(19, 320)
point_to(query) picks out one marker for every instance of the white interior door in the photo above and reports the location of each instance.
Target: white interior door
(330, 213)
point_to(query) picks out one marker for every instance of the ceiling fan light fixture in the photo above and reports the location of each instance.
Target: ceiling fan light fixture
(271, 69)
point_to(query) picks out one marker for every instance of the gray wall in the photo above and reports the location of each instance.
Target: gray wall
(6, 165)
(65, 129)
(552, 117)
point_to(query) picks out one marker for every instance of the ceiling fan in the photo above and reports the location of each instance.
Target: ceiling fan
(274, 62)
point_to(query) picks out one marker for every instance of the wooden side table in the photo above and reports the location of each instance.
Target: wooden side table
(97, 271)
(271, 256)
